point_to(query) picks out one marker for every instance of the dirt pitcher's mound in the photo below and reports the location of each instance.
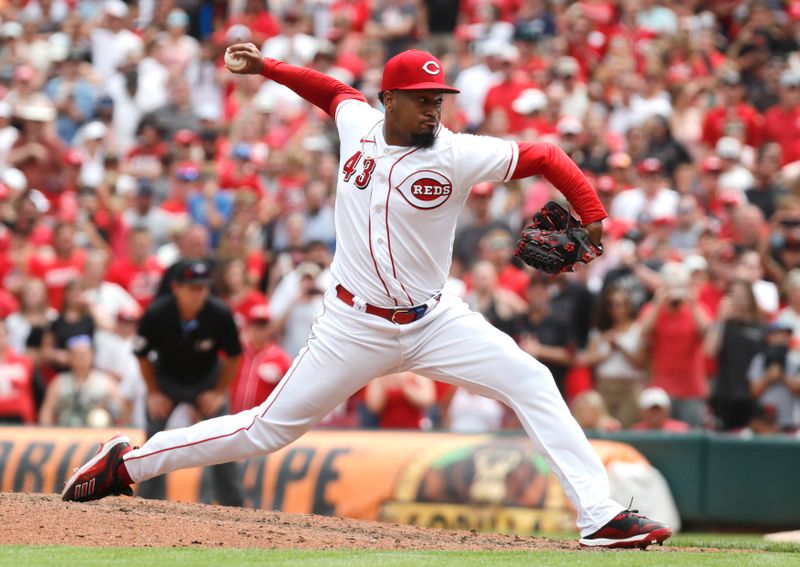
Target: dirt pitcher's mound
(135, 522)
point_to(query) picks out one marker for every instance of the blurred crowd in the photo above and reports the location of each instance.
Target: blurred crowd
(125, 146)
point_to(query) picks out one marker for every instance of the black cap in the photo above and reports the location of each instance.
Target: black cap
(194, 272)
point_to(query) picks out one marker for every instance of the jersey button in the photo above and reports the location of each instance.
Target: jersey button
(379, 240)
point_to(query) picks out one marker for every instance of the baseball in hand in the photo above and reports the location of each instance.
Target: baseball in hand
(234, 63)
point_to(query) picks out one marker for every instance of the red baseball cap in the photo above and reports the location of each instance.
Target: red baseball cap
(482, 189)
(258, 312)
(414, 70)
(606, 184)
(711, 164)
(73, 157)
(650, 165)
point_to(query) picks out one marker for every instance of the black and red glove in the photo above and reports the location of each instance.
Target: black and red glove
(555, 241)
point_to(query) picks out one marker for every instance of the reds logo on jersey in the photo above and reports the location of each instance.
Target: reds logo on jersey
(425, 189)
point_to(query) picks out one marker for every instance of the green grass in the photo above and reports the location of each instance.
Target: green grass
(753, 542)
(56, 556)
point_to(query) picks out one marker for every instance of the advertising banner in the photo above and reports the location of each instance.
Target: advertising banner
(493, 483)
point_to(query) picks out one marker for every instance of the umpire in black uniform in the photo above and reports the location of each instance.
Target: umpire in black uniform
(179, 340)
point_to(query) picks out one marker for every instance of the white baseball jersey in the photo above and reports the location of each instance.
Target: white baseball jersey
(397, 207)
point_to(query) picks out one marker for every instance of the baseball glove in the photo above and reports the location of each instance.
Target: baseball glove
(555, 241)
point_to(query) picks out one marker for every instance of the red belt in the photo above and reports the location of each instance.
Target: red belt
(401, 316)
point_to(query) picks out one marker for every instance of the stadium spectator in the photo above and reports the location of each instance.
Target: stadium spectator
(781, 120)
(496, 247)
(767, 190)
(235, 290)
(775, 376)
(81, 396)
(733, 341)
(191, 241)
(26, 327)
(106, 298)
(142, 214)
(138, 272)
(789, 316)
(37, 152)
(394, 23)
(499, 306)
(74, 320)
(400, 400)
(17, 403)
(300, 313)
(654, 404)
(543, 335)
(652, 199)
(73, 96)
(114, 355)
(467, 412)
(763, 421)
(617, 356)
(591, 414)
(479, 222)
(264, 362)
(674, 325)
(57, 269)
(319, 214)
(112, 39)
(732, 109)
(292, 44)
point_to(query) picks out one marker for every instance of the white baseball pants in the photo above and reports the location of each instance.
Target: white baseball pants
(348, 348)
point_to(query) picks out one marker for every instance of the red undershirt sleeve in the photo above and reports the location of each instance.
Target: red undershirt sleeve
(550, 161)
(317, 88)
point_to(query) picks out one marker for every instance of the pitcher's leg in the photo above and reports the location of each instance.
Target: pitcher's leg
(337, 360)
(156, 487)
(463, 349)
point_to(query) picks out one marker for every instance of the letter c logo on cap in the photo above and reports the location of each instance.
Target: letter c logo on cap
(431, 67)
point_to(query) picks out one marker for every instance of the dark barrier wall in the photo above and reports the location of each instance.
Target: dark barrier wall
(724, 480)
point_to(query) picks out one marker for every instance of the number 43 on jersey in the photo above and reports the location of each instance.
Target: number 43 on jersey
(352, 164)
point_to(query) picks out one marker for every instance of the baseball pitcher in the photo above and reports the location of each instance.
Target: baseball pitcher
(403, 180)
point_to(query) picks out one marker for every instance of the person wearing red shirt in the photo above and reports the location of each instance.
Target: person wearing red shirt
(497, 247)
(655, 406)
(401, 400)
(256, 18)
(264, 362)
(502, 95)
(732, 110)
(37, 151)
(145, 159)
(239, 171)
(139, 273)
(16, 384)
(675, 324)
(782, 121)
(58, 269)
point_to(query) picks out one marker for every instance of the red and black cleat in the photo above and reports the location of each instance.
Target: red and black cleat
(98, 478)
(628, 529)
